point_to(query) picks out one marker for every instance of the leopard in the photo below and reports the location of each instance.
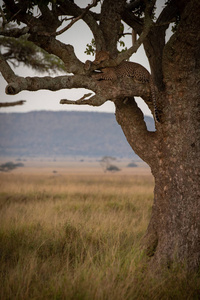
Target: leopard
(135, 71)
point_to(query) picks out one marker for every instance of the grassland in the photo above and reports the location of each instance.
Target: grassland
(78, 237)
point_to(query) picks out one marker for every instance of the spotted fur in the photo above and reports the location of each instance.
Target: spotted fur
(134, 70)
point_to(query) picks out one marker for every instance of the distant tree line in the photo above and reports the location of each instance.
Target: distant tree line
(9, 166)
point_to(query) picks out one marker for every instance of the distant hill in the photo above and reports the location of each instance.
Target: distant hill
(62, 134)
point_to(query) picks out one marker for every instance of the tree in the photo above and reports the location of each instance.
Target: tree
(23, 51)
(20, 50)
(9, 166)
(107, 164)
(172, 152)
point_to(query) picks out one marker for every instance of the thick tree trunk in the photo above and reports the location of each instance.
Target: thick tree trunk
(173, 153)
(175, 222)
(174, 229)
(173, 234)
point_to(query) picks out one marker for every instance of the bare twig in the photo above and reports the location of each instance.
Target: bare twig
(12, 18)
(95, 100)
(94, 3)
(6, 104)
(66, 101)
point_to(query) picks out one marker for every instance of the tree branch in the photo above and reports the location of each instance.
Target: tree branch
(6, 70)
(110, 22)
(94, 3)
(168, 14)
(49, 83)
(6, 104)
(155, 33)
(113, 91)
(17, 13)
(63, 51)
(96, 100)
(123, 55)
(66, 101)
(127, 54)
(14, 32)
(148, 23)
(40, 30)
(154, 49)
(70, 8)
(105, 90)
(131, 119)
(131, 20)
(133, 5)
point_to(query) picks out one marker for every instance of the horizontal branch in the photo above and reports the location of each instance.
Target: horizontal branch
(49, 83)
(114, 90)
(17, 84)
(66, 101)
(104, 89)
(6, 104)
(96, 100)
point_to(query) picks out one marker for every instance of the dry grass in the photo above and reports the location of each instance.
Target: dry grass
(77, 237)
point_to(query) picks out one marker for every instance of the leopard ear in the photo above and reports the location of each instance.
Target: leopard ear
(87, 65)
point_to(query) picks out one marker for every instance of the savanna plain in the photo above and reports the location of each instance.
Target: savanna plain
(78, 235)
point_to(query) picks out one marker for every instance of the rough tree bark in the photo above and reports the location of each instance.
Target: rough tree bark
(173, 151)
(174, 230)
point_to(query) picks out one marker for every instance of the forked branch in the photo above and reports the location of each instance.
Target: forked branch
(74, 20)
(95, 100)
(148, 23)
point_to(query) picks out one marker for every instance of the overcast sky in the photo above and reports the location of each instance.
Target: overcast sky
(78, 35)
